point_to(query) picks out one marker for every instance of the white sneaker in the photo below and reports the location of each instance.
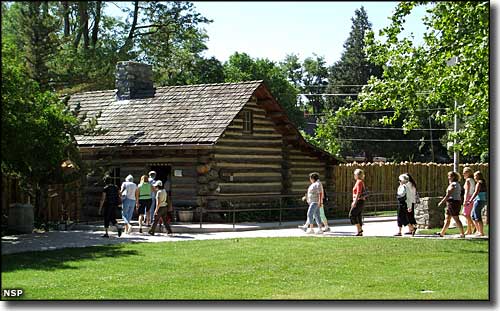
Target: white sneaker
(303, 227)
(319, 231)
(310, 231)
(327, 229)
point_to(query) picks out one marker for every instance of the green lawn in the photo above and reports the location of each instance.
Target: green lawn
(263, 268)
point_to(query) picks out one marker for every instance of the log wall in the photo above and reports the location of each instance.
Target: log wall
(183, 188)
(250, 163)
(301, 165)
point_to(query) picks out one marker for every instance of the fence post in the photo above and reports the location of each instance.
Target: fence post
(201, 216)
(234, 217)
(281, 202)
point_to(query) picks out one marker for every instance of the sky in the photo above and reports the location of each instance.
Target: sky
(272, 30)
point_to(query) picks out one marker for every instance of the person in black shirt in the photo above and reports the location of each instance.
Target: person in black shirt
(110, 200)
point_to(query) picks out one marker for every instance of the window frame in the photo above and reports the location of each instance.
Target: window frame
(247, 122)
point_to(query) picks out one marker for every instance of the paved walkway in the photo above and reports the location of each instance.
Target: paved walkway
(90, 235)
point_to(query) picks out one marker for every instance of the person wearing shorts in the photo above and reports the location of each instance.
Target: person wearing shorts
(480, 199)
(453, 204)
(469, 186)
(144, 203)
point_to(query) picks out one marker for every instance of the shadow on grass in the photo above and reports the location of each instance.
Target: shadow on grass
(61, 258)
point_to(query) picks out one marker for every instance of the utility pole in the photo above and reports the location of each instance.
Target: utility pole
(452, 62)
(455, 129)
(432, 143)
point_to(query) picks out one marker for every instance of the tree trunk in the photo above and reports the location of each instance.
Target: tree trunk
(97, 19)
(83, 25)
(130, 37)
(65, 5)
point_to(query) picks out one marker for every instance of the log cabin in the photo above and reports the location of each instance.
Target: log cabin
(214, 145)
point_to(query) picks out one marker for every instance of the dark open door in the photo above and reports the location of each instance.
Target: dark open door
(164, 173)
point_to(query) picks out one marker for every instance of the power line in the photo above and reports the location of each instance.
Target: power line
(384, 140)
(330, 94)
(351, 94)
(387, 111)
(335, 85)
(382, 128)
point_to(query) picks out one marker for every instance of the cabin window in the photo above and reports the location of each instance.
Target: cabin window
(247, 122)
(114, 173)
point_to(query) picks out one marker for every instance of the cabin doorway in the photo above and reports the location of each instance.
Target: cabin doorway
(163, 173)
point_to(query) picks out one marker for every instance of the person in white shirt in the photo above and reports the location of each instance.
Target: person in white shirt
(130, 197)
(469, 187)
(413, 194)
(314, 198)
(405, 196)
(161, 209)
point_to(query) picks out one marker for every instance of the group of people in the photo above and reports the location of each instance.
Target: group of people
(315, 196)
(474, 199)
(148, 199)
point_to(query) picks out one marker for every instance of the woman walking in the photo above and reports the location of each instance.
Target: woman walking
(358, 201)
(479, 198)
(161, 210)
(144, 203)
(453, 204)
(129, 199)
(469, 187)
(412, 189)
(313, 197)
(110, 201)
(405, 196)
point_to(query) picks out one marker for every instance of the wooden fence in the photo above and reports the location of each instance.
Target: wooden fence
(64, 200)
(382, 181)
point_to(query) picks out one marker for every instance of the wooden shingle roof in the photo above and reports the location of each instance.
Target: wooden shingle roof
(192, 114)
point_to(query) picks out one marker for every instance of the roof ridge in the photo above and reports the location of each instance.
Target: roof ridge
(178, 86)
(214, 84)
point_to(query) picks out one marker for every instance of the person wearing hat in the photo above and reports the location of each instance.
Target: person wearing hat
(150, 216)
(405, 203)
(129, 198)
(161, 210)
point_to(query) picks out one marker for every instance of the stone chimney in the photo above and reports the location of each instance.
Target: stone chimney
(134, 80)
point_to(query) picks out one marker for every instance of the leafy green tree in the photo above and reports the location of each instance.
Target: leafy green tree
(241, 67)
(417, 78)
(37, 128)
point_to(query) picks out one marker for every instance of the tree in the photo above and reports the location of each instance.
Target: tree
(353, 69)
(241, 67)
(417, 78)
(37, 128)
(170, 38)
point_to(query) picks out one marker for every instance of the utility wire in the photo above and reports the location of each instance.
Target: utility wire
(385, 140)
(388, 111)
(381, 128)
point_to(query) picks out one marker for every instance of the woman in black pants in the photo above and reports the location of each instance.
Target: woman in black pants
(358, 201)
(110, 199)
(412, 189)
(403, 197)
